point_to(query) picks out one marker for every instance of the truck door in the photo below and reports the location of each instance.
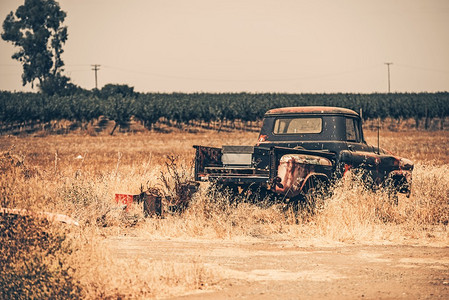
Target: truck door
(356, 144)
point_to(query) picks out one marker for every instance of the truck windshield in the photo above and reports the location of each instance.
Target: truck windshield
(297, 125)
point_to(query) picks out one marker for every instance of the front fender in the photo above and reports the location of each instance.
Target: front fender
(401, 181)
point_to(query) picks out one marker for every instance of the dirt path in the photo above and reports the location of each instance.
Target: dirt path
(267, 269)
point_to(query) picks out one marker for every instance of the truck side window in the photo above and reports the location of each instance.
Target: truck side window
(357, 130)
(352, 130)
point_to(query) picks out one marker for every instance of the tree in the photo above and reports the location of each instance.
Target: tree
(111, 89)
(36, 28)
(120, 109)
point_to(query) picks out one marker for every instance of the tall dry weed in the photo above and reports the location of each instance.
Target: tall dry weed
(214, 214)
(352, 213)
(429, 204)
(356, 213)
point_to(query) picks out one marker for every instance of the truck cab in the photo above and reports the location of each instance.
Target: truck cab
(314, 128)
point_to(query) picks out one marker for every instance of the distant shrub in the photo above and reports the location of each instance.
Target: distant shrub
(33, 260)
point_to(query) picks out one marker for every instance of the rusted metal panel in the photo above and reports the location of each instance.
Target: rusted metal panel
(152, 201)
(311, 110)
(125, 199)
(206, 156)
(371, 160)
(294, 169)
(383, 169)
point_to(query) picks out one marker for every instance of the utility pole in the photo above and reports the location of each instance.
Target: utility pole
(388, 68)
(96, 68)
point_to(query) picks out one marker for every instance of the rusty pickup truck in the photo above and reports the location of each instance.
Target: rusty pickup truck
(300, 148)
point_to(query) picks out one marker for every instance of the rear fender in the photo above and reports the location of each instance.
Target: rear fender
(295, 170)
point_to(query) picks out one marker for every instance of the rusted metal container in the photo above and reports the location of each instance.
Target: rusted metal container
(152, 203)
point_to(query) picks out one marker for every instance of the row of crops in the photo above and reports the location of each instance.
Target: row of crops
(179, 108)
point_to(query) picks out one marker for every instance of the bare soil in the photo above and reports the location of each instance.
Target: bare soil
(275, 268)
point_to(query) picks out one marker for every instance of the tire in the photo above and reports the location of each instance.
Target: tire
(313, 195)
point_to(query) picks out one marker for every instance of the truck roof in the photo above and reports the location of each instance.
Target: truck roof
(311, 110)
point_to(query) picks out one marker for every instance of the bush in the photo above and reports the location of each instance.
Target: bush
(33, 260)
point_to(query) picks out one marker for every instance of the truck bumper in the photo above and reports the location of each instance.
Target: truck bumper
(236, 179)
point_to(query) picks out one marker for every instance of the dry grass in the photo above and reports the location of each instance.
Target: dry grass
(102, 275)
(79, 175)
(429, 147)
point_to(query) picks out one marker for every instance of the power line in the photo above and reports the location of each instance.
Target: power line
(95, 69)
(423, 68)
(293, 78)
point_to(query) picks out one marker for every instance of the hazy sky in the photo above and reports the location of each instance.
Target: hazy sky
(290, 46)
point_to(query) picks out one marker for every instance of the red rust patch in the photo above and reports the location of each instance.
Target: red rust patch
(263, 138)
(311, 110)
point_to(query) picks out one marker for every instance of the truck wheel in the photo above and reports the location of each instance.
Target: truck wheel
(313, 194)
(302, 206)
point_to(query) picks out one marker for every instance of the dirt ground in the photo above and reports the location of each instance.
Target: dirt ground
(275, 268)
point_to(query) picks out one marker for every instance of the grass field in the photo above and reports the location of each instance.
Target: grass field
(78, 175)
